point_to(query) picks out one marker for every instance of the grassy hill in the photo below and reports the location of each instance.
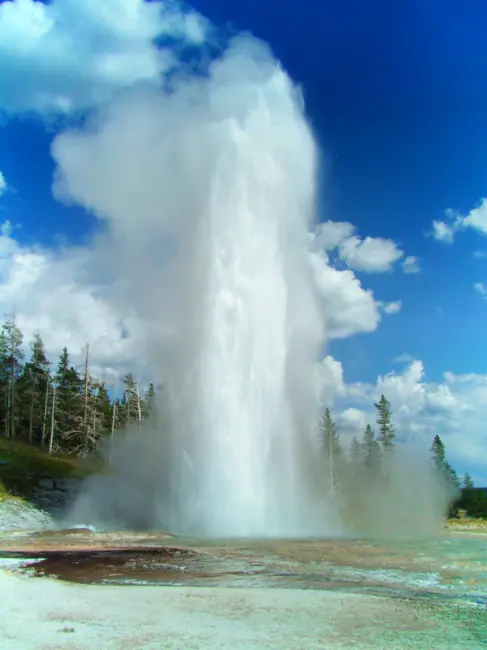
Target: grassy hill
(22, 466)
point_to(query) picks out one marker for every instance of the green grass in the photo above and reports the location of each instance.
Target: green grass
(26, 465)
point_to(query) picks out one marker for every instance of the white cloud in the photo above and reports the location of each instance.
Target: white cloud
(443, 232)
(352, 422)
(411, 265)
(476, 219)
(480, 254)
(349, 308)
(52, 293)
(456, 409)
(70, 55)
(391, 307)
(372, 254)
(480, 287)
(330, 234)
(3, 184)
(329, 381)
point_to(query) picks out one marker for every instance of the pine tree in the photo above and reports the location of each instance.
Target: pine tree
(131, 405)
(68, 419)
(443, 468)
(104, 407)
(438, 453)
(387, 432)
(10, 371)
(331, 448)
(472, 500)
(4, 384)
(97, 418)
(451, 476)
(34, 385)
(467, 482)
(371, 451)
(147, 404)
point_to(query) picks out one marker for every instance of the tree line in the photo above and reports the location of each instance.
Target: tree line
(60, 407)
(366, 463)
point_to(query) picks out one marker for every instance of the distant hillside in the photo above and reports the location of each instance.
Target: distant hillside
(483, 490)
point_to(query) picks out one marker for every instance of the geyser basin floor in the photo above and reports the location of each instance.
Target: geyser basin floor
(330, 594)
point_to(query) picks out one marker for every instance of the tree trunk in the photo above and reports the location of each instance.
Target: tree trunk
(44, 419)
(85, 418)
(12, 380)
(139, 410)
(53, 409)
(114, 417)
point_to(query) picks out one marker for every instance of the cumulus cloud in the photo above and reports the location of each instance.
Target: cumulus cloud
(370, 255)
(476, 219)
(53, 293)
(330, 384)
(411, 265)
(331, 234)
(71, 55)
(443, 231)
(348, 307)
(455, 408)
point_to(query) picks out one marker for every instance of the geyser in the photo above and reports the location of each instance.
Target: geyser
(215, 196)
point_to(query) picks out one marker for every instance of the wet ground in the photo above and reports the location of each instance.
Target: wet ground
(329, 593)
(450, 567)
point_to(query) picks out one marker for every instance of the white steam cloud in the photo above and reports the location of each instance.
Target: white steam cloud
(209, 222)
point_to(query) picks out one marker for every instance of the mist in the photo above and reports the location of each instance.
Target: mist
(208, 193)
(404, 498)
(206, 190)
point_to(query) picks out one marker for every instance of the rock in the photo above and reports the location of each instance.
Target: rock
(16, 514)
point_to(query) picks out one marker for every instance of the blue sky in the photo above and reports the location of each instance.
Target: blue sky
(395, 93)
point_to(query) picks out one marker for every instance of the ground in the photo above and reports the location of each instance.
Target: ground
(46, 615)
(74, 589)
(125, 590)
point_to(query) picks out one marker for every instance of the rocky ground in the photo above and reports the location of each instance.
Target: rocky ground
(45, 614)
(17, 514)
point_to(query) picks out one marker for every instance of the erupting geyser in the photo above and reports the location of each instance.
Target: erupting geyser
(215, 198)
